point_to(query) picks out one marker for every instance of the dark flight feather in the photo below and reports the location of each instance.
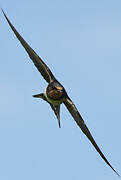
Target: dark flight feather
(40, 65)
(80, 122)
(49, 77)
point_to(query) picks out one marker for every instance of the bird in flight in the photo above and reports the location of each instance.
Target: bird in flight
(55, 94)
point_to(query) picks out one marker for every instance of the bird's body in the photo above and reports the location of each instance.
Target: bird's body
(55, 94)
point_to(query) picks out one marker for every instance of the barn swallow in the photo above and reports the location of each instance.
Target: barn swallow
(55, 94)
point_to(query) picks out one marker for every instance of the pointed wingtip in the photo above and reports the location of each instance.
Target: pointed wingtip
(118, 174)
(3, 12)
(6, 17)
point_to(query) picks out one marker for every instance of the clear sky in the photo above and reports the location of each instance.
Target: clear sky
(80, 41)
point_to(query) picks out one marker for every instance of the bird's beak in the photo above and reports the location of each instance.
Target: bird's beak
(59, 88)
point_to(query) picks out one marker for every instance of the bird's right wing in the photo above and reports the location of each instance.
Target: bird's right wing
(80, 122)
(40, 65)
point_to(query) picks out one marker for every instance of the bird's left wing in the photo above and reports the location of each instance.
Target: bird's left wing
(40, 65)
(80, 122)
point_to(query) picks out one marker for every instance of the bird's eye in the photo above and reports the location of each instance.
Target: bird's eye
(55, 88)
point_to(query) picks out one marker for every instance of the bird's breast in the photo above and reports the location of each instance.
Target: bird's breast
(54, 94)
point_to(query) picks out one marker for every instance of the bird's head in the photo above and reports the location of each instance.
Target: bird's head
(55, 91)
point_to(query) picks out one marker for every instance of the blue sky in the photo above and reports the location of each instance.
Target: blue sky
(81, 42)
